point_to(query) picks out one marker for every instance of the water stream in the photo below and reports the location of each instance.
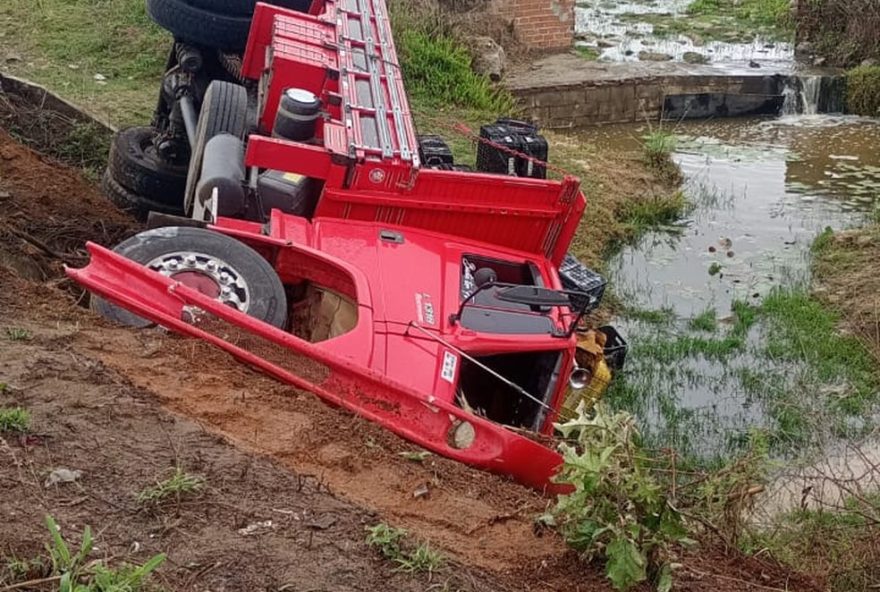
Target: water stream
(699, 378)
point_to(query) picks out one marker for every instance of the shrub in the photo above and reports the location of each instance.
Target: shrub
(844, 31)
(437, 66)
(618, 510)
(863, 90)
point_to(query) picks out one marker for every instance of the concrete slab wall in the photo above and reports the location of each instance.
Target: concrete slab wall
(595, 102)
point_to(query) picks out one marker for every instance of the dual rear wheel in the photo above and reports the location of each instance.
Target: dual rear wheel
(142, 177)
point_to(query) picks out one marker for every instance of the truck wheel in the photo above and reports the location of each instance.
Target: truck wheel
(136, 205)
(212, 263)
(200, 26)
(246, 7)
(224, 111)
(136, 165)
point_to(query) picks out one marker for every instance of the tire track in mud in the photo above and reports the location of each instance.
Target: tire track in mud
(474, 516)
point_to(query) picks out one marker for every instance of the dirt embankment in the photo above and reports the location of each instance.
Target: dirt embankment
(125, 407)
(847, 278)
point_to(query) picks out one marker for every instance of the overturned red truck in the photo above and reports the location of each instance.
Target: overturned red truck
(315, 245)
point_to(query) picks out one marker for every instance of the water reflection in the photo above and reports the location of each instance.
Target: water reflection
(762, 190)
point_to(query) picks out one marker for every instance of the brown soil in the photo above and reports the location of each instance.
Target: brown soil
(126, 406)
(847, 279)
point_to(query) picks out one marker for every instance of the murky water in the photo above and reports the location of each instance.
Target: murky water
(699, 377)
(763, 190)
(621, 30)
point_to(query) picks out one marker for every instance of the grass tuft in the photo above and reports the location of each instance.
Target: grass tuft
(388, 540)
(15, 419)
(421, 559)
(653, 212)
(176, 486)
(661, 316)
(591, 54)
(705, 321)
(18, 334)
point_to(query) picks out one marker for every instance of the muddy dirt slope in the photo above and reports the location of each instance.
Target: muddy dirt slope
(125, 407)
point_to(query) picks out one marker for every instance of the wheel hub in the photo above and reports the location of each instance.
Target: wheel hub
(209, 275)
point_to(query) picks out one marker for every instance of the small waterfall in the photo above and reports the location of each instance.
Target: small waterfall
(790, 98)
(811, 93)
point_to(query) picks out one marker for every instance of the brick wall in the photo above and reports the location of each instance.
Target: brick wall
(544, 24)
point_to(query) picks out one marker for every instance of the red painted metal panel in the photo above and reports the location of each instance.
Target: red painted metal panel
(331, 374)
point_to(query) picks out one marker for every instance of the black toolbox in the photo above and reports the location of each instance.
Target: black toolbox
(494, 158)
(531, 144)
(518, 136)
(434, 152)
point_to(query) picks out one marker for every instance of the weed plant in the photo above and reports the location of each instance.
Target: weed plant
(178, 485)
(14, 419)
(77, 573)
(389, 542)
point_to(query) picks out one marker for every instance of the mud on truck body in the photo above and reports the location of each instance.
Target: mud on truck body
(316, 246)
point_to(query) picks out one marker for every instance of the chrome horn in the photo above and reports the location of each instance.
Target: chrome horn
(579, 378)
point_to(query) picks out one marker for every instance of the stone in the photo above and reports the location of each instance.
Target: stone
(819, 61)
(603, 44)
(489, 58)
(62, 475)
(803, 48)
(650, 56)
(693, 57)
(754, 64)
(869, 62)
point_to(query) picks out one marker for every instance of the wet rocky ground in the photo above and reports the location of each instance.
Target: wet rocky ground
(670, 30)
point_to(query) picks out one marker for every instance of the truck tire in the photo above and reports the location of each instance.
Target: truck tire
(256, 287)
(246, 7)
(224, 111)
(199, 26)
(135, 164)
(136, 205)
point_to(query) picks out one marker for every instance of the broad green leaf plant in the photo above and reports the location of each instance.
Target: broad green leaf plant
(617, 510)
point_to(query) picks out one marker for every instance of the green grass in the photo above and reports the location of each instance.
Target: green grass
(64, 44)
(704, 7)
(179, 484)
(389, 540)
(745, 316)
(437, 66)
(590, 54)
(705, 321)
(658, 146)
(748, 13)
(654, 211)
(14, 419)
(661, 316)
(732, 21)
(805, 331)
(863, 90)
(76, 571)
(842, 543)
(806, 382)
(668, 350)
(770, 13)
(421, 559)
(18, 334)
